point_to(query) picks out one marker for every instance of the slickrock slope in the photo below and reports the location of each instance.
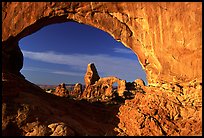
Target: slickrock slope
(165, 36)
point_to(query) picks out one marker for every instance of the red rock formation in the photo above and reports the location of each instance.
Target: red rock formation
(61, 90)
(104, 88)
(61, 129)
(90, 78)
(91, 75)
(77, 92)
(167, 40)
(100, 87)
(121, 87)
(34, 112)
(165, 36)
(139, 82)
(161, 111)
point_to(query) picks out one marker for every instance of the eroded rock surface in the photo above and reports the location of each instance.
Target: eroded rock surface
(163, 111)
(77, 92)
(34, 112)
(61, 90)
(91, 75)
(165, 36)
(174, 109)
(101, 88)
(104, 88)
(167, 40)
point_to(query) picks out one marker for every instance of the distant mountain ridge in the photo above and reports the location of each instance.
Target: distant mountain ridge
(47, 86)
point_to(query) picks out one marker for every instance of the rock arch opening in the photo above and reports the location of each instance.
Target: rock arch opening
(167, 42)
(64, 50)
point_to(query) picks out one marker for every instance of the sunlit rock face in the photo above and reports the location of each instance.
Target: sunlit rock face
(165, 36)
(167, 40)
(101, 87)
(165, 110)
(77, 90)
(61, 90)
(91, 75)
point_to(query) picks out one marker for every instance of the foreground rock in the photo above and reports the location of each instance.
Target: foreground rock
(163, 111)
(34, 112)
(154, 111)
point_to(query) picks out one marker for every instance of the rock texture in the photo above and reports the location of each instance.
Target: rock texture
(139, 82)
(104, 88)
(91, 75)
(77, 92)
(166, 36)
(61, 90)
(101, 87)
(158, 111)
(34, 112)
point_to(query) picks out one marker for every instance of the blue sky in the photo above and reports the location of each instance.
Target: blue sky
(60, 53)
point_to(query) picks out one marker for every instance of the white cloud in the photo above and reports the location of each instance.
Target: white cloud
(36, 69)
(106, 65)
(69, 73)
(122, 50)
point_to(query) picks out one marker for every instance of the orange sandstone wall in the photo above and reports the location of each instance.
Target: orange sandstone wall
(165, 36)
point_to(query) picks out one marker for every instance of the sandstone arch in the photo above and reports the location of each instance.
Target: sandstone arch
(165, 36)
(167, 39)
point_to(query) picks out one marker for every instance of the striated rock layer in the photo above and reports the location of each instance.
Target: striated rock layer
(165, 36)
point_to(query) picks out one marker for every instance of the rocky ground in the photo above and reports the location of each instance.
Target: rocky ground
(33, 112)
(171, 110)
(163, 111)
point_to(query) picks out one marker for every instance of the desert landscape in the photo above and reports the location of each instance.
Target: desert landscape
(166, 37)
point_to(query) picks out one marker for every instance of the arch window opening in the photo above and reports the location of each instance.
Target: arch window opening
(59, 53)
